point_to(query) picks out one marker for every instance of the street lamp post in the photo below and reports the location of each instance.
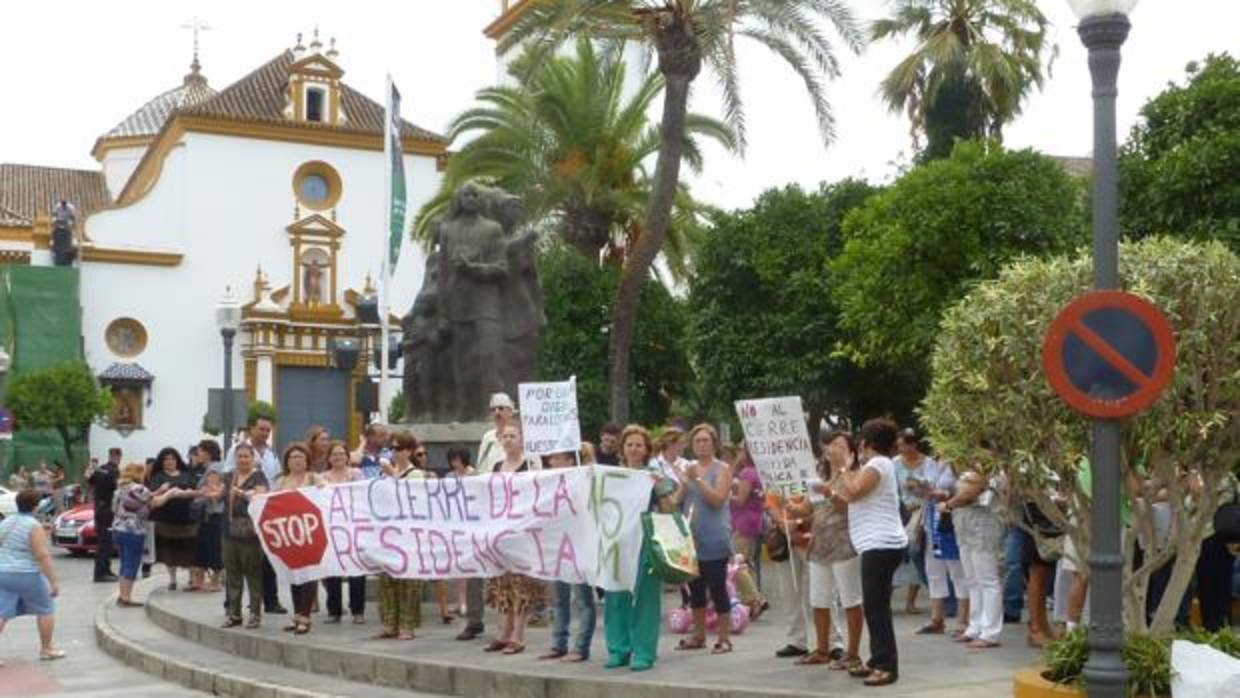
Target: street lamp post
(1103, 29)
(228, 317)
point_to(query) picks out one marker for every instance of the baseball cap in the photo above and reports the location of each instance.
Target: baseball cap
(501, 400)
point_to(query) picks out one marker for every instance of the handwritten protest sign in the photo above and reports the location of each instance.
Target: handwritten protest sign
(578, 525)
(549, 417)
(778, 442)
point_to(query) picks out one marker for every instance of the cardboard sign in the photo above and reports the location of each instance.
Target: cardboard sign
(778, 442)
(549, 417)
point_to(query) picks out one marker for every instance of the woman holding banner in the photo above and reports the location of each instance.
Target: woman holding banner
(340, 472)
(243, 557)
(513, 595)
(877, 534)
(400, 600)
(708, 491)
(631, 618)
(295, 474)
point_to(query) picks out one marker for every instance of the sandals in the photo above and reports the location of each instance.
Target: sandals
(359, 619)
(981, 644)
(495, 646)
(722, 647)
(253, 622)
(691, 643)
(402, 636)
(126, 603)
(513, 648)
(845, 664)
(231, 623)
(553, 654)
(52, 655)
(574, 658)
(878, 677)
(860, 670)
(301, 629)
(814, 658)
(931, 629)
(386, 634)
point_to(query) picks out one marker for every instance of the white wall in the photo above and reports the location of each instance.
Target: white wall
(118, 165)
(224, 203)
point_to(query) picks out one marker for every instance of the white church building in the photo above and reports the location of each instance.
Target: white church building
(272, 187)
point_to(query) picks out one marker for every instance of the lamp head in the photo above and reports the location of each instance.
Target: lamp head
(228, 312)
(1085, 9)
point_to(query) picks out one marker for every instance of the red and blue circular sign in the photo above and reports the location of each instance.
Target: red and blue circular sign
(1109, 354)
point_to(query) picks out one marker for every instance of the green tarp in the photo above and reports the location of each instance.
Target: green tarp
(40, 325)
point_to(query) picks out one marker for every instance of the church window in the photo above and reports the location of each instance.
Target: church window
(314, 104)
(316, 185)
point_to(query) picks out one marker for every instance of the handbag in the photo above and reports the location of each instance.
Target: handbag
(913, 529)
(776, 542)
(671, 554)
(1049, 549)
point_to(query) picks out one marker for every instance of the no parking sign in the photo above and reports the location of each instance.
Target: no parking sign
(1109, 354)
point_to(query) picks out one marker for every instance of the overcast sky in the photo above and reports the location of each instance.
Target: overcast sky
(75, 69)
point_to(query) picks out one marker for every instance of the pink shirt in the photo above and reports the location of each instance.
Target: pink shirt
(747, 517)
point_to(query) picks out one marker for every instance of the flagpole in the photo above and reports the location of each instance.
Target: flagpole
(384, 267)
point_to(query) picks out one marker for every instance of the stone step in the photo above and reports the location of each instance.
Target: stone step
(134, 639)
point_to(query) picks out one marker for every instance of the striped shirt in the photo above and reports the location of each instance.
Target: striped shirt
(874, 520)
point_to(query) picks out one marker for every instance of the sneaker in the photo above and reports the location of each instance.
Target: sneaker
(791, 651)
(106, 578)
(276, 610)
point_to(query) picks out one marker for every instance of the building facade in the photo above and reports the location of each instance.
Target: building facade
(271, 188)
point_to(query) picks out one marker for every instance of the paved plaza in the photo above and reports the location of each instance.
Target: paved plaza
(178, 637)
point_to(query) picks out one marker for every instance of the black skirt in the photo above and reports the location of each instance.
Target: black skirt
(209, 553)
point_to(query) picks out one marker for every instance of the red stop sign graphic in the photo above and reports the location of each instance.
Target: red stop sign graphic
(293, 530)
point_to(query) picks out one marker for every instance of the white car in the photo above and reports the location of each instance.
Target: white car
(8, 502)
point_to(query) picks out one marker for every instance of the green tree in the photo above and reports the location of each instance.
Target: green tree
(578, 304)
(683, 35)
(1177, 172)
(990, 403)
(974, 63)
(571, 145)
(763, 322)
(916, 248)
(64, 397)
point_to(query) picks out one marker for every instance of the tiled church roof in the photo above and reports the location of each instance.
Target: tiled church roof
(263, 95)
(150, 117)
(27, 191)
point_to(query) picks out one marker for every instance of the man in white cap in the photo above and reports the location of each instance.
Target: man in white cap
(489, 451)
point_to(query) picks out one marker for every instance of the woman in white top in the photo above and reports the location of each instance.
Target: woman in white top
(878, 536)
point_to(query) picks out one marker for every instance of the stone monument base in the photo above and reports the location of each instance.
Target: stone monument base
(438, 438)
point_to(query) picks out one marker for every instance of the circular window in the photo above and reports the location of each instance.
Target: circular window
(125, 337)
(316, 185)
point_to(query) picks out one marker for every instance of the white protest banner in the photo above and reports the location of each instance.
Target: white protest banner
(578, 525)
(549, 417)
(778, 442)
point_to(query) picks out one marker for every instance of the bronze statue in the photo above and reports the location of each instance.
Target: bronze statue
(474, 327)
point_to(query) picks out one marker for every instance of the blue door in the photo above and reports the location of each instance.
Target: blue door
(306, 397)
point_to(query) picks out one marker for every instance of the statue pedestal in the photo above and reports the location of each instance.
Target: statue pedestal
(438, 438)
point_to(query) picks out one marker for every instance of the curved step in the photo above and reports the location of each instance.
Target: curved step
(129, 636)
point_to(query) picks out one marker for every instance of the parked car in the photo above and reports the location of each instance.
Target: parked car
(8, 502)
(74, 530)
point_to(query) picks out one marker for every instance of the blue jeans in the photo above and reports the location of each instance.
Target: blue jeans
(130, 546)
(586, 619)
(1014, 575)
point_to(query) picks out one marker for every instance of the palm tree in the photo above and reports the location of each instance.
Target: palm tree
(568, 143)
(684, 35)
(974, 64)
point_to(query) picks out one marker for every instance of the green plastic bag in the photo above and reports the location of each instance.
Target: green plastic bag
(672, 557)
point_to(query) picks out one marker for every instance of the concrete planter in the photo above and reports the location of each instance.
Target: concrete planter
(1028, 683)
